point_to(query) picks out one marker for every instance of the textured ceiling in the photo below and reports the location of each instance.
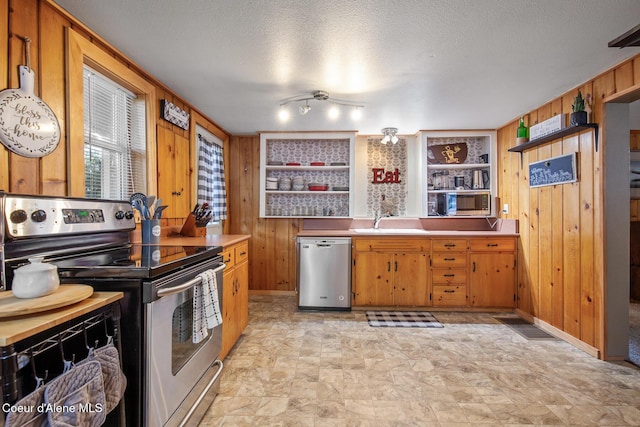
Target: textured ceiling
(414, 64)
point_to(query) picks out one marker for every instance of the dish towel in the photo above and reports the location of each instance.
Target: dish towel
(206, 306)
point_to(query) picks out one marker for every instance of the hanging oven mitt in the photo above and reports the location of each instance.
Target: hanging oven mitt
(32, 417)
(114, 380)
(81, 387)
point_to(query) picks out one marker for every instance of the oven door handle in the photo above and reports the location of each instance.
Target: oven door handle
(187, 285)
(204, 392)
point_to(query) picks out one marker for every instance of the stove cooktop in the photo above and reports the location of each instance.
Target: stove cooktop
(134, 261)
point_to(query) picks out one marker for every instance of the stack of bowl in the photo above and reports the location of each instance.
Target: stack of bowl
(285, 184)
(272, 183)
(298, 183)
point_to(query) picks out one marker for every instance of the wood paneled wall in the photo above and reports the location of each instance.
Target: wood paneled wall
(44, 22)
(272, 249)
(561, 258)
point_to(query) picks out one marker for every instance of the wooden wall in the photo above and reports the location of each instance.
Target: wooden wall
(45, 24)
(272, 250)
(561, 258)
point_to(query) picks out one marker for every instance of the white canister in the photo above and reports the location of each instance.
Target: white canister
(35, 279)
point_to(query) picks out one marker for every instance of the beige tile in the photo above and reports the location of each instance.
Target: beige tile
(320, 369)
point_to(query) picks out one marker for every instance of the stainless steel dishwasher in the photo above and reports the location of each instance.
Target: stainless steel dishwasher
(324, 273)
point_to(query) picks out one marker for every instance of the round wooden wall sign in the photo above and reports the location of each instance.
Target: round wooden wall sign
(28, 127)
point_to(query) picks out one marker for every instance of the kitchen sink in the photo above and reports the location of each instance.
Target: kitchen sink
(390, 231)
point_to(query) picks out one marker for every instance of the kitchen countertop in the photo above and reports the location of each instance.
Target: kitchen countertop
(17, 328)
(223, 240)
(346, 228)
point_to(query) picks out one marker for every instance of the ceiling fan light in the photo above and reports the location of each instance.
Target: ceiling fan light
(394, 139)
(384, 140)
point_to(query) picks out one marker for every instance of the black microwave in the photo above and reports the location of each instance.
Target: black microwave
(467, 203)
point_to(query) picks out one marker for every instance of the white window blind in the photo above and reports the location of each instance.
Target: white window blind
(114, 139)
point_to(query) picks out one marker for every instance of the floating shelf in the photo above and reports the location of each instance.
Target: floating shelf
(455, 166)
(569, 130)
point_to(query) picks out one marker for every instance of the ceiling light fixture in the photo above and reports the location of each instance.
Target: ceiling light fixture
(321, 95)
(304, 109)
(390, 134)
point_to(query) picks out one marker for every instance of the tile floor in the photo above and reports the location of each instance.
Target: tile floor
(332, 369)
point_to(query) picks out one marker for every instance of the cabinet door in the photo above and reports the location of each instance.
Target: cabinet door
(373, 279)
(182, 177)
(166, 170)
(242, 296)
(493, 280)
(228, 311)
(174, 173)
(410, 280)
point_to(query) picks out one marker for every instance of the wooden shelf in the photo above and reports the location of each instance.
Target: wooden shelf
(569, 130)
(455, 166)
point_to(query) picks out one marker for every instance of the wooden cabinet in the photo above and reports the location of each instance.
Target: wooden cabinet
(477, 272)
(449, 266)
(492, 277)
(391, 272)
(372, 279)
(235, 295)
(174, 173)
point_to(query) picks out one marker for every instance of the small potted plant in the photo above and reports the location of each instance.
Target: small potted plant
(579, 115)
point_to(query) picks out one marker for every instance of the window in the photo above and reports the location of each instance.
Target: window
(82, 53)
(114, 139)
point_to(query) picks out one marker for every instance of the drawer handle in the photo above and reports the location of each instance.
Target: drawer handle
(449, 291)
(388, 265)
(474, 266)
(449, 245)
(490, 245)
(228, 259)
(243, 253)
(449, 275)
(449, 259)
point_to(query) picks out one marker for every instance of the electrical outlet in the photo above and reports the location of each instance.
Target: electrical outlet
(505, 208)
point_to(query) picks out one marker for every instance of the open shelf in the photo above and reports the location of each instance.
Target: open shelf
(455, 166)
(569, 130)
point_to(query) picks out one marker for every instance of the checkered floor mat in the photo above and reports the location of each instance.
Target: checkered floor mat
(402, 319)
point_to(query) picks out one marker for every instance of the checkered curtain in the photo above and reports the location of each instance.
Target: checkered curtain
(211, 184)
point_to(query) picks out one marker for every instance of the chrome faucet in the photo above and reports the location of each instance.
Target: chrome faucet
(377, 218)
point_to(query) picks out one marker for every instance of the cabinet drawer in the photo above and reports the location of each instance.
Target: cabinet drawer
(449, 276)
(241, 252)
(453, 259)
(449, 295)
(493, 244)
(449, 245)
(391, 245)
(228, 257)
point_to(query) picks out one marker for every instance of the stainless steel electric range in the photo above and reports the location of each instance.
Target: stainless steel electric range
(171, 380)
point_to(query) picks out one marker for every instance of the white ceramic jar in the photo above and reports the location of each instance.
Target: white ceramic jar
(35, 279)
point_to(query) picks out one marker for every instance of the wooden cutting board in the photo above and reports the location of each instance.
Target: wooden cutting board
(65, 295)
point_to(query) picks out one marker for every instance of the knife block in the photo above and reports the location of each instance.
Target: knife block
(189, 228)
